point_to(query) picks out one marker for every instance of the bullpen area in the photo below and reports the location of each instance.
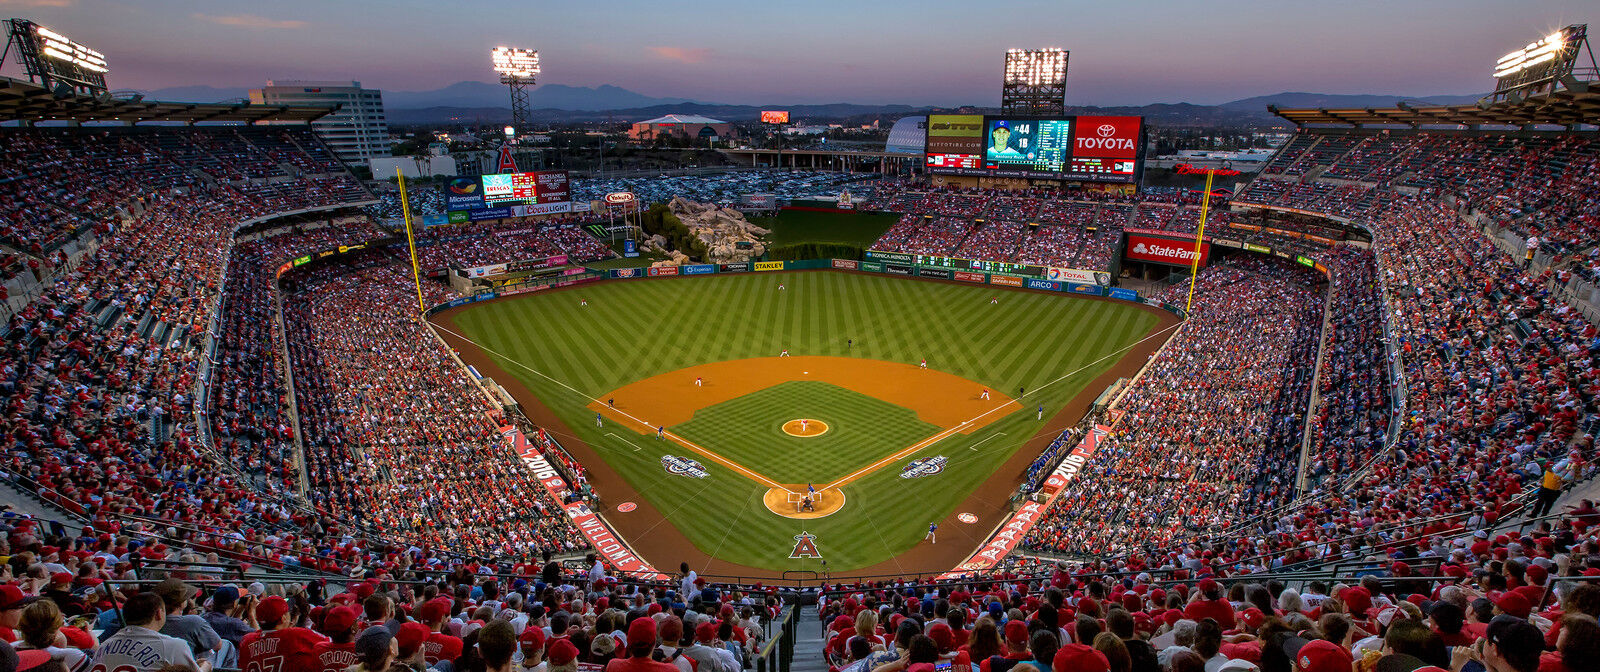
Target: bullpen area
(816, 420)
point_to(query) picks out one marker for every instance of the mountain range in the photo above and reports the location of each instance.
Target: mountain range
(481, 102)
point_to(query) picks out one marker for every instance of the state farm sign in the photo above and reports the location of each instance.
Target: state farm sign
(1107, 137)
(1177, 252)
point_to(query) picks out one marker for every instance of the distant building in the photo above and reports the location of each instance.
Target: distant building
(908, 135)
(356, 132)
(687, 126)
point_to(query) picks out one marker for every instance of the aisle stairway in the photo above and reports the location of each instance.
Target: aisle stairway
(808, 643)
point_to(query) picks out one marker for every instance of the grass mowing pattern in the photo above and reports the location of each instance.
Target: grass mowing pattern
(639, 328)
(861, 429)
(860, 229)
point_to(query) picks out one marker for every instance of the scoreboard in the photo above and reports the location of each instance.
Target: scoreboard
(1081, 148)
(953, 263)
(504, 187)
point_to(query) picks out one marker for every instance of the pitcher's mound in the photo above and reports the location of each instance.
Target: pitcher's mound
(805, 428)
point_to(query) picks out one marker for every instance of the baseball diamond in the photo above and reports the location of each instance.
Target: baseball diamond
(697, 360)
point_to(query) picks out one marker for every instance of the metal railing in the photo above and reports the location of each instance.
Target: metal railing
(778, 654)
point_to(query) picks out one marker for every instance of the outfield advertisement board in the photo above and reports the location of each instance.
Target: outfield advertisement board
(741, 267)
(698, 269)
(967, 276)
(1084, 288)
(1005, 280)
(940, 273)
(662, 271)
(897, 269)
(769, 266)
(846, 264)
(1035, 283)
(1077, 275)
(1014, 530)
(625, 273)
(872, 267)
(1124, 294)
(893, 257)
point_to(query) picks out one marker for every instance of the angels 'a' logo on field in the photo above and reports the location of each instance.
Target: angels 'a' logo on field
(805, 546)
(926, 466)
(682, 466)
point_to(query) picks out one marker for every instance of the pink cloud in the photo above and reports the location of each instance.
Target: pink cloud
(250, 21)
(682, 54)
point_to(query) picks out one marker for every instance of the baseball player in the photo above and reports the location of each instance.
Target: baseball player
(985, 395)
(1041, 412)
(932, 527)
(661, 431)
(598, 422)
(924, 364)
(780, 286)
(583, 302)
(698, 382)
(994, 300)
(785, 353)
(803, 424)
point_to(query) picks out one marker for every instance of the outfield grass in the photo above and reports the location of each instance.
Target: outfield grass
(1050, 343)
(791, 227)
(861, 429)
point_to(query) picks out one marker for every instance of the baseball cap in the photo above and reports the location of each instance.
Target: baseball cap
(1079, 658)
(339, 619)
(705, 631)
(12, 597)
(61, 578)
(564, 651)
(603, 645)
(943, 636)
(225, 596)
(434, 610)
(373, 641)
(271, 609)
(532, 638)
(1323, 656)
(1514, 604)
(411, 637)
(1017, 632)
(642, 630)
(174, 590)
(1207, 585)
(12, 659)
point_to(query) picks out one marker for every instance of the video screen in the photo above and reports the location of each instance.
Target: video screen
(955, 144)
(774, 116)
(1030, 145)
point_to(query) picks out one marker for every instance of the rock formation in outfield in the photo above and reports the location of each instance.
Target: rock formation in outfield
(728, 237)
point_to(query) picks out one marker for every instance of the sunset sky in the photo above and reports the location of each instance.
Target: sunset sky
(923, 53)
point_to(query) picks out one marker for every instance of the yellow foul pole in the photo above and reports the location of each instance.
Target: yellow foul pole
(1199, 236)
(411, 241)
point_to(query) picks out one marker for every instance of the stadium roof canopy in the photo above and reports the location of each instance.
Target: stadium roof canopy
(684, 119)
(1562, 108)
(25, 101)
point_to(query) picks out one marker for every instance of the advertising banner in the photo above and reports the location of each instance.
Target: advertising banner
(590, 525)
(741, 267)
(1075, 275)
(698, 269)
(459, 216)
(1124, 294)
(1034, 283)
(630, 248)
(623, 273)
(487, 271)
(769, 266)
(845, 264)
(1006, 280)
(872, 267)
(434, 220)
(464, 193)
(1177, 252)
(662, 271)
(1261, 249)
(943, 274)
(1014, 530)
(891, 257)
(897, 269)
(542, 209)
(489, 213)
(550, 186)
(1082, 288)
(967, 276)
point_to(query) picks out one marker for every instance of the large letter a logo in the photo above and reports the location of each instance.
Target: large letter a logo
(805, 546)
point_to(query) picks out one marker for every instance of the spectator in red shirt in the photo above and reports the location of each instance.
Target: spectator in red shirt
(1209, 604)
(339, 652)
(279, 645)
(641, 641)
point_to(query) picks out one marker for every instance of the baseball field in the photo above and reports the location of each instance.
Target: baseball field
(710, 409)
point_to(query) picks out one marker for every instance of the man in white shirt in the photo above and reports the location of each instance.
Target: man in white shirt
(686, 586)
(597, 570)
(140, 646)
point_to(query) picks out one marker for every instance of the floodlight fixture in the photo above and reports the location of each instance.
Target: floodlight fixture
(1035, 82)
(512, 62)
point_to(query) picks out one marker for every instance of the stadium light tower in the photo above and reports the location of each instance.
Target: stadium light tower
(1035, 83)
(517, 68)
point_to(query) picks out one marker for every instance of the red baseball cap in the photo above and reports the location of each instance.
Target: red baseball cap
(1514, 603)
(705, 631)
(532, 638)
(1322, 656)
(411, 637)
(12, 597)
(943, 636)
(563, 651)
(640, 630)
(1017, 632)
(1079, 658)
(340, 619)
(271, 609)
